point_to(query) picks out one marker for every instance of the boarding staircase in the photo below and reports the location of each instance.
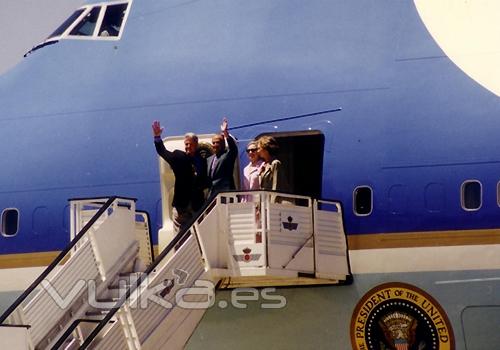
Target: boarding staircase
(271, 236)
(68, 300)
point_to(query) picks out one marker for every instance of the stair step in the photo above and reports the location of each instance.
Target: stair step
(134, 274)
(125, 279)
(96, 313)
(115, 293)
(107, 300)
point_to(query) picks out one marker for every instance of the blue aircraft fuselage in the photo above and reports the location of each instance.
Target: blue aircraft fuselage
(76, 115)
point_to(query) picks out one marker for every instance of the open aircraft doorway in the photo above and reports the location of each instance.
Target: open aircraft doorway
(301, 153)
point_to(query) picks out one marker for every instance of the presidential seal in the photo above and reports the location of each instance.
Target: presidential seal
(399, 316)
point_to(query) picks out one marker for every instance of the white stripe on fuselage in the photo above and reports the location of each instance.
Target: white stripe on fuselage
(470, 280)
(447, 258)
(18, 279)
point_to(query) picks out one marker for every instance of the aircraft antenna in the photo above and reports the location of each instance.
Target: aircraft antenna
(286, 118)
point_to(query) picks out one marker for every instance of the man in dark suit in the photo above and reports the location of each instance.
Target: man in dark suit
(189, 169)
(221, 163)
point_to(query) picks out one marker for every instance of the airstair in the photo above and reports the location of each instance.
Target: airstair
(263, 237)
(111, 247)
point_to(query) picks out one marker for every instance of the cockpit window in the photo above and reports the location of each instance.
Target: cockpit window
(87, 24)
(112, 20)
(103, 21)
(66, 23)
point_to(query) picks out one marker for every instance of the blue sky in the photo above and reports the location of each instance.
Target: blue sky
(25, 23)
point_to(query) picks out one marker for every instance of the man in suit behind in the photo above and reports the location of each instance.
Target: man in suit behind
(221, 164)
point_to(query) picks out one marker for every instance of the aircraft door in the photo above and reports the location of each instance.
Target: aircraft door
(301, 154)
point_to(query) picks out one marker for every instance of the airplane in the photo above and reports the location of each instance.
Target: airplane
(389, 107)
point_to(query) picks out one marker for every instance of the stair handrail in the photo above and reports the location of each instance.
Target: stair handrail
(60, 257)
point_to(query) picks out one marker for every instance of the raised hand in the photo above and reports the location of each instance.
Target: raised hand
(157, 129)
(224, 127)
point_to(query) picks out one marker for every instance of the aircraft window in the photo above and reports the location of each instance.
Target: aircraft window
(498, 193)
(87, 25)
(103, 21)
(113, 19)
(471, 196)
(10, 222)
(59, 31)
(362, 200)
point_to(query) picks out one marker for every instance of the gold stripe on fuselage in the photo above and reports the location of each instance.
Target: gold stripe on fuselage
(11, 261)
(355, 242)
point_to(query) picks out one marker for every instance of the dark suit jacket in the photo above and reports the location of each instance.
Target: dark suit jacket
(221, 176)
(201, 181)
(190, 176)
(183, 171)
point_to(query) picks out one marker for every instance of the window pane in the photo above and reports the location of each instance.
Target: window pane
(498, 194)
(87, 24)
(471, 195)
(10, 222)
(363, 200)
(113, 19)
(66, 23)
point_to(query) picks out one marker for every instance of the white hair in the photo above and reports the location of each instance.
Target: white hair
(192, 136)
